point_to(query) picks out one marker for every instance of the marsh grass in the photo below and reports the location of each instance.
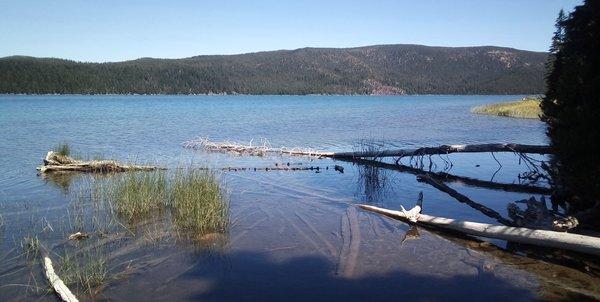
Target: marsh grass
(86, 271)
(63, 149)
(31, 246)
(198, 203)
(138, 195)
(526, 108)
(194, 198)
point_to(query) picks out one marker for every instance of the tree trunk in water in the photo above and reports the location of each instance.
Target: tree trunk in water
(567, 241)
(446, 149)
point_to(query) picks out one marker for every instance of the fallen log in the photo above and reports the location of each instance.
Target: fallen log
(266, 148)
(464, 199)
(447, 177)
(57, 284)
(567, 241)
(55, 162)
(446, 149)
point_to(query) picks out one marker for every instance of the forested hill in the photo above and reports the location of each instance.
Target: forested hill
(383, 69)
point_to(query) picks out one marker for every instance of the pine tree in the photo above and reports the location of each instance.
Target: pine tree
(572, 107)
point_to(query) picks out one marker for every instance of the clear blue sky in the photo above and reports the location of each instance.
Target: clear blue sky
(115, 30)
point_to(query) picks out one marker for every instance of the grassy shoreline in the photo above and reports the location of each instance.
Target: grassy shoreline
(528, 108)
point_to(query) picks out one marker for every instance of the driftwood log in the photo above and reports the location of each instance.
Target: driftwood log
(56, 162)
(57, 284)
(567, 241)
(266, 148)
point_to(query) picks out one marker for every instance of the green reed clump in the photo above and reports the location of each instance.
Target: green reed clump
(63, 149)
(137, 195)
(198, 203)
(86, 271)
(193, 197)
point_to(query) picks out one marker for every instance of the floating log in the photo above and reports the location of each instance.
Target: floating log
(567, 241)
(446, 149)
(55, 162)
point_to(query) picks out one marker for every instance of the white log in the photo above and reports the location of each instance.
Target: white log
(59, 286)
(567, 241)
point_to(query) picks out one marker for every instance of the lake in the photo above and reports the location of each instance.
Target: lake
(294, 235)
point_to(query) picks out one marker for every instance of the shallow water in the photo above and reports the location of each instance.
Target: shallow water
(293, 235)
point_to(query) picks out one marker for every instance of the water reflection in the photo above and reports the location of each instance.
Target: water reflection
(61, 180)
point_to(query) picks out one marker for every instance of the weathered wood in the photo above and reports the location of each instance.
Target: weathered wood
(265, 148)
(567, 241)
(55, 162)
(464, 199)
(57, 284)
(446, 149)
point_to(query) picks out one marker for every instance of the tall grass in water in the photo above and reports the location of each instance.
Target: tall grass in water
(63, 149)
(88, 270)
(526, 108)
(198, 202)
(194, 198)
(138, 195)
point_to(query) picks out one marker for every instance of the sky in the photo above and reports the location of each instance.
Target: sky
(117, 30)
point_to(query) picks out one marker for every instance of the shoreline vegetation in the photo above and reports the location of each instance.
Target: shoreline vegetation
(527, 108)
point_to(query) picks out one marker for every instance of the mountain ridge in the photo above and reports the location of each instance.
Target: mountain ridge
(376, 69)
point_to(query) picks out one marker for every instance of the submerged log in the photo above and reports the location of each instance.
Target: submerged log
(447, 177)
(446, 149)
(464, 199)
(57, 284)
(567, 241)
(56, 162)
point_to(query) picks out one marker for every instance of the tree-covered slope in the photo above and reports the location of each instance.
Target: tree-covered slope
(383, 69)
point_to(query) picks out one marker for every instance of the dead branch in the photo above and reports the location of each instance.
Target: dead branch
(249, 149)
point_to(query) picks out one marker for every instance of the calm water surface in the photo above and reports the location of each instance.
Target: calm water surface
(293, 235)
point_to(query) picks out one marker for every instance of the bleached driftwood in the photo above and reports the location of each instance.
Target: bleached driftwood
(261, 149)
(446, 149)
(57, 162)
(413, 214)
(567, 241)
(265, 148)
(57, 284)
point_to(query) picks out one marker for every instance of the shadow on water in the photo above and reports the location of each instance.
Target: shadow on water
(254, 277)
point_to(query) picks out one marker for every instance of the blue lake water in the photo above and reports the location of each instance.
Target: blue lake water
(288, 238)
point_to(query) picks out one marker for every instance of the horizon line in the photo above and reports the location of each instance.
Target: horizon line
(264, 51)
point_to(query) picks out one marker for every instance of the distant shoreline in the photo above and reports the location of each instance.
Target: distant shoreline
(241, 94)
